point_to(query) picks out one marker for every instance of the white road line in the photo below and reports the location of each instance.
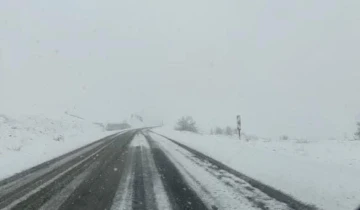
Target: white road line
(124, 194)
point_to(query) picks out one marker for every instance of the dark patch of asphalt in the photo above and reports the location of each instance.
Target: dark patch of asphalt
(36, 200)
(181, 195)
(26, 188)
(98, 190)
(52, 161)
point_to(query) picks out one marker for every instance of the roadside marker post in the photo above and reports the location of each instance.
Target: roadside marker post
(239, 125)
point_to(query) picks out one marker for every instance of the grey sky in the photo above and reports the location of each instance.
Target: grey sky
(289, 67)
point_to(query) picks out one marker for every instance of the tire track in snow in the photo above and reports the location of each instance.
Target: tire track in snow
(124, 193)
(154, 185)
(258, 198)
(180, 194)
(253, 185)
(140, 187)
(138, 201)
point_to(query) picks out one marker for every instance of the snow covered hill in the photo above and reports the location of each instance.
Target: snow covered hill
(30, 140)
(324, 173)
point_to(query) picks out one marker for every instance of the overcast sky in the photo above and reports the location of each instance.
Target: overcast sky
(288, 67)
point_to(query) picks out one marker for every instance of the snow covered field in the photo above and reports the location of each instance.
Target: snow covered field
(31, 140)
(325, 173)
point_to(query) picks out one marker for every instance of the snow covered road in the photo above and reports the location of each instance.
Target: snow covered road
(138, 170)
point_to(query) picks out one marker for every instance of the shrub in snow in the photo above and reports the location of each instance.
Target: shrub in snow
(284, 137)
(59, 138)
(228, 131)
(219, 131)
(186, 123)
(235, 130)
(16, 148)
(250, 137)
(302, 141)
(357, 133)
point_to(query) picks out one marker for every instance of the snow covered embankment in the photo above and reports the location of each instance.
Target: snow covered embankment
(28, 141)
(323, 173)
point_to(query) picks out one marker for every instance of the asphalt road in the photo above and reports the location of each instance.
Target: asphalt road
(138, 170)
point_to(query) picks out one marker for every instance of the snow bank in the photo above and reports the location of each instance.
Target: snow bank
(31, 140)
(324, 173)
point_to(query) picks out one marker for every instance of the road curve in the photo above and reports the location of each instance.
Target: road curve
(138, 170)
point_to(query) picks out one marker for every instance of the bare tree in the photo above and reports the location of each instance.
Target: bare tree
(228, 131)
(219, 131)
(186, 123)
(284, 137)
(357, 133)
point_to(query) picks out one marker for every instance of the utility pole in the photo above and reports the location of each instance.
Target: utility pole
(239, 125)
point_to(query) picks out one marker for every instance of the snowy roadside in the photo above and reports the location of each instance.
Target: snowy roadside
(29, 141)
(218, 188)
(324, 173)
